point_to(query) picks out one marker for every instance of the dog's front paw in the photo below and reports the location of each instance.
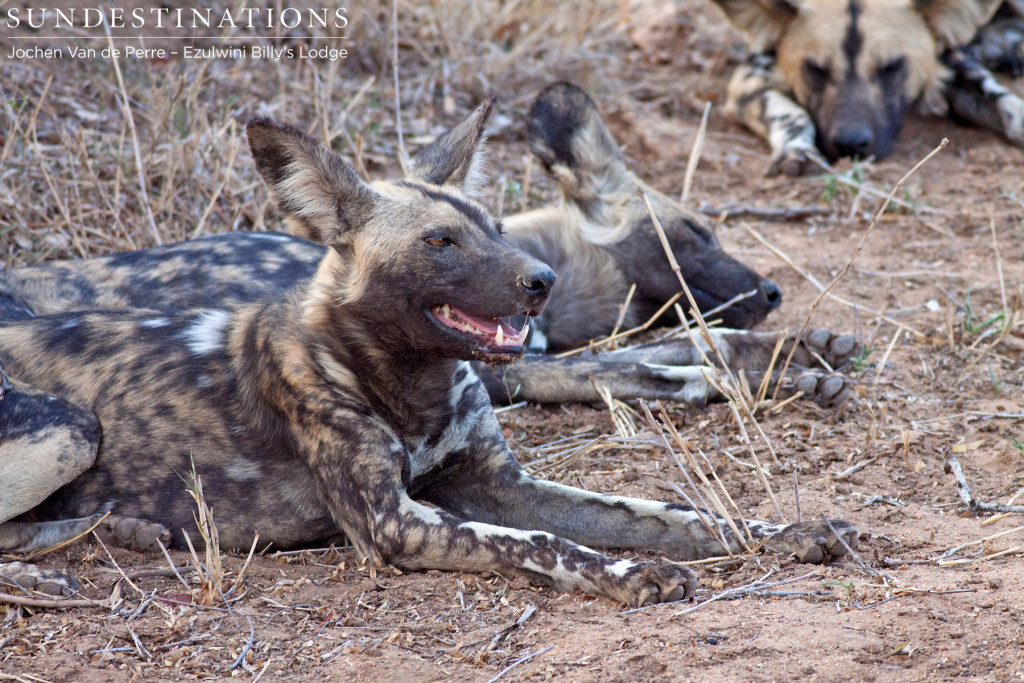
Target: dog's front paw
(649, 583)
(835, 349)
(813, 542)
(131, 533)
(828, 389)
(31, 577)
(792, 161)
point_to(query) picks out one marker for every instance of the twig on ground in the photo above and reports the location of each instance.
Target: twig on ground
(126, 110)
(981, 541)
(519, 661)
(853, 469)
(984, 558)
(527, 613)
(867, 189)
(740, 591)
(733, 391)
(963, 491)
(796, 495)
(786, 213)
(698, 146)
(702, 509)
(601, 342)
(51, 603)
(403, 157)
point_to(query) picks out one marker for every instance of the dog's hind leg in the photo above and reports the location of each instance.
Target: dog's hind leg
(977, 97)
(755, 99)
(44, 443)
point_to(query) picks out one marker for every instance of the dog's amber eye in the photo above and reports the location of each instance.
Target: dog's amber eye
(437, 241)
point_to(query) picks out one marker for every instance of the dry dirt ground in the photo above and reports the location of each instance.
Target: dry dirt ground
(941, 266)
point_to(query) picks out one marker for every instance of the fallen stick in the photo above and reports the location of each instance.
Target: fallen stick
(963, 491)
(786, 213)
(853, 469)
(50, 603)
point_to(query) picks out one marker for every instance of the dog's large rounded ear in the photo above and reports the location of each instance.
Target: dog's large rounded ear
(954, 22)
(570, 138)
(565, 127)
(457, 156)
(763, 21)
(321, 196)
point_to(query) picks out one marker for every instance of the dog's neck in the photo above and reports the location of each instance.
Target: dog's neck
(359, 358)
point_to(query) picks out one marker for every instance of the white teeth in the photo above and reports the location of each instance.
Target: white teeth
(525, 331)
(446, 311)
(499, 337)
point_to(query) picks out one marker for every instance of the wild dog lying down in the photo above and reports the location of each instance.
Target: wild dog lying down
(840, 74)
(599, 240)
(346, 406)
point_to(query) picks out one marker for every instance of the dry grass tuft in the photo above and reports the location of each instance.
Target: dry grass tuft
(95, 158)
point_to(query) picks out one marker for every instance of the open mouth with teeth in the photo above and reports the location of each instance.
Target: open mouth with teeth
(492, 335)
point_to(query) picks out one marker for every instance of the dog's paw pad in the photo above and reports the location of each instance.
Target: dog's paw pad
(30, 577)
(814, 542)
(834, 349)
(650, 583)
(827, 389)
(132, 533)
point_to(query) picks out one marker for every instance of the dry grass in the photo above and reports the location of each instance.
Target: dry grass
(82, 174)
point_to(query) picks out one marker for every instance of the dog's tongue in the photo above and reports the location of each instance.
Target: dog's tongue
(488, 325)
(499, 332)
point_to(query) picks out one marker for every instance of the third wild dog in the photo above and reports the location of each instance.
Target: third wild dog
(346, 405)
(839, 75)
(599, 239)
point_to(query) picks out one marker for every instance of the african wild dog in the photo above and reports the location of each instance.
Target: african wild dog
(599, 240)
(345, 406)
(840, 74)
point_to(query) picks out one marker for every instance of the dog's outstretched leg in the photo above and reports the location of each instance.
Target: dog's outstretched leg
(366, 494)
(754, 99)
(674, 370)
(509, 496)
(977, 97)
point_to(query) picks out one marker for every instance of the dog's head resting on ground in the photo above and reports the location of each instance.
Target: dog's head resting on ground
(415, 267)
(857, 65)
(603, 214)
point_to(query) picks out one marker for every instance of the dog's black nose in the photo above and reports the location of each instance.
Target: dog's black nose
(538, 281)
(772, 294)
(854, 140)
